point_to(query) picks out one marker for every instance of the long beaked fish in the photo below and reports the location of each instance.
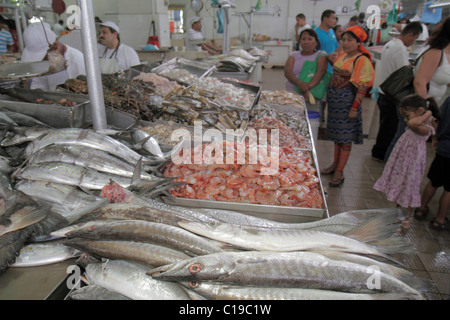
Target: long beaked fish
(128, 250)
(285, 240)
(149, 232)
(307, 270)
(217, 291)
(129, 279)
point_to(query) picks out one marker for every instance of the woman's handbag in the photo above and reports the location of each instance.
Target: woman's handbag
(308, 72)
(401, 82)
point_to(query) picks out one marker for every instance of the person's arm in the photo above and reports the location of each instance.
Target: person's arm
(289, 66)
(430, 62)
(322, 65)
(417, 124)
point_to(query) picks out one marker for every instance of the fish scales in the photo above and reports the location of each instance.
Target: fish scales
(128, 250)
(87, 138)
(129, 279)
(276, 240)
(70, 174)
(216, 291)
(144, 231)
(87, 157)
(281, 269)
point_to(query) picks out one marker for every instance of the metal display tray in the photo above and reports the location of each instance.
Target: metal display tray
(256, 90)
(270, 212)
(199, 69)
(22, 70)
(243, 76)
(274, 213)
(54, 115)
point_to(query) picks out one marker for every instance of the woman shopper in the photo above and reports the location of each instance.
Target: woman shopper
(310, 51)
(353, 75)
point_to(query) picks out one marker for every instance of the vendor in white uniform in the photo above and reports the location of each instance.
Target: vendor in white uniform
(115, 56)
(36, 46)
(196, 40)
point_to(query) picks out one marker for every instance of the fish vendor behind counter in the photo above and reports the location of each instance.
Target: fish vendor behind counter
(37, 43)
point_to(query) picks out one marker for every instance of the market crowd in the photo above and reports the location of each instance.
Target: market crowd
(334, 71)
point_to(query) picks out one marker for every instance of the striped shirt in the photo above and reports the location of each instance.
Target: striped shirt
(6, 39)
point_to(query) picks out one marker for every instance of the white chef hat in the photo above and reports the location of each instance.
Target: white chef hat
(36, 44)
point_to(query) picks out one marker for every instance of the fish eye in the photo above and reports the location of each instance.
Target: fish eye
(195, 268)
(194, 284)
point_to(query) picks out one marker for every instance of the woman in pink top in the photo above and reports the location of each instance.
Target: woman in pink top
(309, 42)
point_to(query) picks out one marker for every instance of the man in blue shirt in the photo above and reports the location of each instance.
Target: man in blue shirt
(328, 43)
(6, 39)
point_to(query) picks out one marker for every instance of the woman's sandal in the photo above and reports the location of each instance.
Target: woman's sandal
(436, 225)
(329, 171)
(336, 182)
(420, 214)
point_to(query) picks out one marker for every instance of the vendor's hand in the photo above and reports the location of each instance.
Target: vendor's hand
(353, 114)
(303, 86)
(332, 56)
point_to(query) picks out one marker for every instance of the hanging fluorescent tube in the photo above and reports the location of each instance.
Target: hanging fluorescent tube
(439, 5)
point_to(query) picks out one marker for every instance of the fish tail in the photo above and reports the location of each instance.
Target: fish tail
(377, 227)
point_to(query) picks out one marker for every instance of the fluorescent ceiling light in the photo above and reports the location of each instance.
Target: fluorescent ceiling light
(439, 5)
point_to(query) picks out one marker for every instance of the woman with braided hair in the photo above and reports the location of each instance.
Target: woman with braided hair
(353, 75)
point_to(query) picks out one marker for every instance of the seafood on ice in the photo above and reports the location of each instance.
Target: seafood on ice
(287, 136)
(234, 176)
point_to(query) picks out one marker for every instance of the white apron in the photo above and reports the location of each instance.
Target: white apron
(109, 65)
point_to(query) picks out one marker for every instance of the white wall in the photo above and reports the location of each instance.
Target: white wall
(276, 18)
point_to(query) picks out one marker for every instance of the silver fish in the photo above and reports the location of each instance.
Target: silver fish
(275, 240)
(215, 291)
(67, 201)
(4, 165)
(6, 121)
(148, 143)
(69, 174)
(24, 120)
(41, 254)
(129, 279)
(93, 292)
(87, 138)
(23, 136)
(128, 250)
(307, 270)
(150, 232)
(23, 218)
(89, 158)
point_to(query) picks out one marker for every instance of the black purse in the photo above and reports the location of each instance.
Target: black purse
(401, 82)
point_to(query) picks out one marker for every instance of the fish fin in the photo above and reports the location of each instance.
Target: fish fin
(140, 144)
(137, 173)
(380, 226)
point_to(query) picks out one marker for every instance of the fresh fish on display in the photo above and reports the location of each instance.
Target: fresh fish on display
(148, 143)
(244, 54)
(4, 165)
(68, 201)
(215, 291)
(306, 270)
(129, 279)
(69, 174)
(93, 292)
(163, 86)
(283, 241)
(88, 138)
(89, 158)
(6, 122)
(128, 250)
(41, 254)
(23, 218)
(256, 52)
(23, 135)
(148, 232)
(24, 120)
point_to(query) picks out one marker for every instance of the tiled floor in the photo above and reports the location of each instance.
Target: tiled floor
(432, 257)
